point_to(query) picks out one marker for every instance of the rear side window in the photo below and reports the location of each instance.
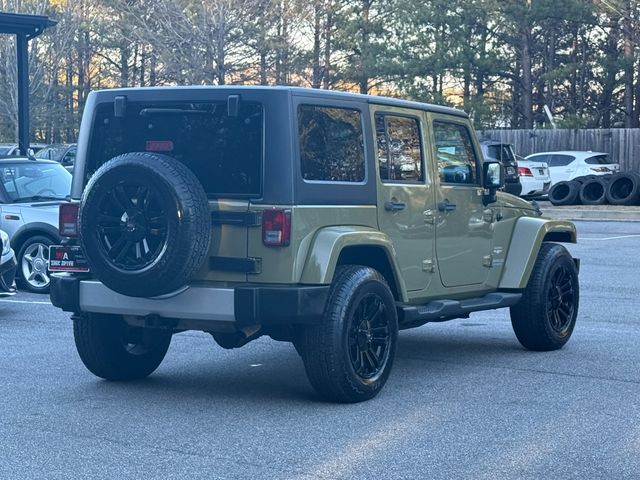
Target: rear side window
(560, 160)
(224, 152)
(331, 144)
(540, 158)
(457, 161)
(399, 149)
(599, 160)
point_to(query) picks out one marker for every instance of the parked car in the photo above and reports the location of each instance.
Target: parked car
(13, 150)
(534, 177)
(30, 192)
(503, 153)
(567, 165)
(63, 153)
(189, 211)
(7, 266)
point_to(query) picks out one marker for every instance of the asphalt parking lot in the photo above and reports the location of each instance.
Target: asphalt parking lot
(464, 399)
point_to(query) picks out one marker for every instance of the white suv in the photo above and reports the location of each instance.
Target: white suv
(567, 165)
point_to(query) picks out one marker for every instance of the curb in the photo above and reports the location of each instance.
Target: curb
(595, 213)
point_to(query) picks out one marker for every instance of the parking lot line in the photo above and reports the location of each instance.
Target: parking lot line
(25, 301)
(608, 238)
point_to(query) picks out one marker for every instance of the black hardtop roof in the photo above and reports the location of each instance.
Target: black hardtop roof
(295, 91)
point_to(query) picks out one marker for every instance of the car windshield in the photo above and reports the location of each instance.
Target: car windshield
(501, 152)
(599, 160)
(4, 150)
(31, 181)
(52, 153)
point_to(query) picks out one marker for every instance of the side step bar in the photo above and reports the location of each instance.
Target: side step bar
(441, 310)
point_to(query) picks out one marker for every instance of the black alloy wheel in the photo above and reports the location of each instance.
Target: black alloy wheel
(369, 337)
(560, 301)
(132, 225)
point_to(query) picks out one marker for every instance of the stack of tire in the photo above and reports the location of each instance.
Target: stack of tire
(618, 189)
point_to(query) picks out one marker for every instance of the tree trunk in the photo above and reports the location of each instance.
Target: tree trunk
(328, 39)
(152, 70)
(221, 41)
(316, 81)
(606, 99)
(628, 51)
(364, 48)
(124, 66)
(527, 81)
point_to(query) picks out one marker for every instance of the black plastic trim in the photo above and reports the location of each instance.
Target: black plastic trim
(440, 310)
(280, 305)
(64, 291)
(236, 264)
(243, 219)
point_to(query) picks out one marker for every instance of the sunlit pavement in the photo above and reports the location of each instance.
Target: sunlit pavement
(464, 399)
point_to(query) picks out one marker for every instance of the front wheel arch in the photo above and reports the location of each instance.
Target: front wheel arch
(528, 236)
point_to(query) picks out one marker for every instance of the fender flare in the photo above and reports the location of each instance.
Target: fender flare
(326, 246)
(526, 240)
(31, 229)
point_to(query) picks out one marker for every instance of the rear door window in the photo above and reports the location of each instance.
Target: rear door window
(224, 152)
(599, 160)
(331, 144)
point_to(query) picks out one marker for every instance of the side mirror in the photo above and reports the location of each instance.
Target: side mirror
(492, 175)
(492, 180)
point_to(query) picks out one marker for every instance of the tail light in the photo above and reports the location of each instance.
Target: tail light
(524, 172)
(601, 169)
(68, 219)
(276, 227)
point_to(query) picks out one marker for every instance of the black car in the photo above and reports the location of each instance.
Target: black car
(503, 152)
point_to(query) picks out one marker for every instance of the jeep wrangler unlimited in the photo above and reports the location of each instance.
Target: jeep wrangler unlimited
(330, 220)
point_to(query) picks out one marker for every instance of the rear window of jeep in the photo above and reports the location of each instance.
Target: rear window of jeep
(331, 144)
(224, 152)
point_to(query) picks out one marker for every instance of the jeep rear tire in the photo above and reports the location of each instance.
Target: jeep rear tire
(145, 225)
(545, 317)
(113, 350)
(349, 356)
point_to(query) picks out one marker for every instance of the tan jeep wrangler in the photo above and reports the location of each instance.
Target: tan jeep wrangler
(327, 219)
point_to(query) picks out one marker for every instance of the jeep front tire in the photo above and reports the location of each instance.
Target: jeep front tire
(349, 356)
(546, 316)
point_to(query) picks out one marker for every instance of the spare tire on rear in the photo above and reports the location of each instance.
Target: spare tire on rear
(624, 189)
(145, 225)
(565, 193)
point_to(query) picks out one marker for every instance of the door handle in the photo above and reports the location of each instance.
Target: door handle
(394, 206)
(445, 206)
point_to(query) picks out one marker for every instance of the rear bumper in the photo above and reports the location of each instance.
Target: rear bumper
(535, 187)
(513, 187)
(230, 307)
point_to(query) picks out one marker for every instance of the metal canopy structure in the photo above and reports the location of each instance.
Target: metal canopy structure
(25, 28)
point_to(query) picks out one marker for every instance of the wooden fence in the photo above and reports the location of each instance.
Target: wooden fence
(623, 144)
